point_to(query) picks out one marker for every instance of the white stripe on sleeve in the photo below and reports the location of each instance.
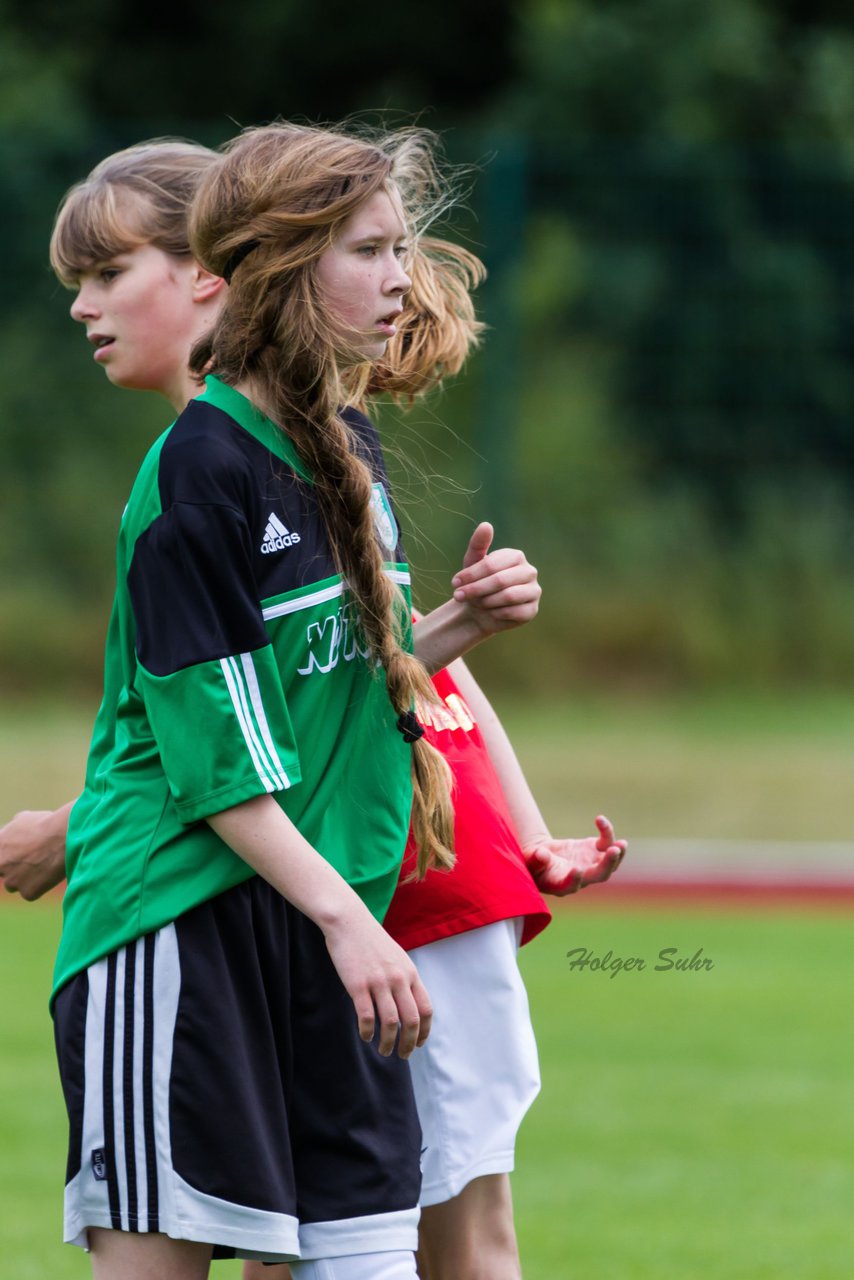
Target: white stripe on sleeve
(241, 710)
(261, 720)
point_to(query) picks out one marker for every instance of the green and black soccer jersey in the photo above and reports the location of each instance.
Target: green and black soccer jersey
(233, 669)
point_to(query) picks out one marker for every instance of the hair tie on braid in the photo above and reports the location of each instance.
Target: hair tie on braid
(409, 727)
(237, 257)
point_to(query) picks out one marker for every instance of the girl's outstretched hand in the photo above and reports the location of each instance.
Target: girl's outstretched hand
(499, 587)
(564, 866)
(382, 982)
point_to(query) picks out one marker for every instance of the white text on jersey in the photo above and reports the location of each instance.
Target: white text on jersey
(331, 640)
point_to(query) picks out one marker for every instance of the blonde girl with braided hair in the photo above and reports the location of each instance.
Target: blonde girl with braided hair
(258, 718)
(469, 1214)
(318, 283)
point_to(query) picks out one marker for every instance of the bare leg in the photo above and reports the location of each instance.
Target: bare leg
(471, 1237)
(257, 1271)
(125, 1255)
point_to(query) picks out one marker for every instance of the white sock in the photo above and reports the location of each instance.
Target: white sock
(394, 1265)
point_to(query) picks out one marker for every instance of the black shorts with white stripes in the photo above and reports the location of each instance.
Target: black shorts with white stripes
(218, 1091)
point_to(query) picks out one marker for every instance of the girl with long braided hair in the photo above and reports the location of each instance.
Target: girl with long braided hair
(258, 718)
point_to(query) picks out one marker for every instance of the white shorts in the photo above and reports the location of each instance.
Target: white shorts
(478, 1072)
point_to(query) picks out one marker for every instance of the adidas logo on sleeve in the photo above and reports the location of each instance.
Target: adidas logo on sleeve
(277, 537)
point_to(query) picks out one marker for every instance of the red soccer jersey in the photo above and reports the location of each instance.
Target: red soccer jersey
(490, 880)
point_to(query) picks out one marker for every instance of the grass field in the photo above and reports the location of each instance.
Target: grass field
(693, 1123)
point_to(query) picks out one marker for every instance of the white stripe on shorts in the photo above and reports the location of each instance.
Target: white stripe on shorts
(131, 1015)
(130, 1021)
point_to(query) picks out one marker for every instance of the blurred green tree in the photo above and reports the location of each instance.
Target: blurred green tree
(665, 207)
(210, 61)
(703, 156)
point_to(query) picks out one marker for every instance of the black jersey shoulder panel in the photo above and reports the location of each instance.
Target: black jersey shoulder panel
(209, 458)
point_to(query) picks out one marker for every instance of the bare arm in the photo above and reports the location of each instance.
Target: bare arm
(381, 979)
(493, 591)
(32, 851)
(559, 866)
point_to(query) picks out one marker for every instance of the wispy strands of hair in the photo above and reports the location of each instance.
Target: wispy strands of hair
(428, 193)
(438, 328)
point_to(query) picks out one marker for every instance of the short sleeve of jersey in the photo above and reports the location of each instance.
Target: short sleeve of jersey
(206, 669)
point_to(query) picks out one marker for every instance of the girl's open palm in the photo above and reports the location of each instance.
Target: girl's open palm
(565, 866)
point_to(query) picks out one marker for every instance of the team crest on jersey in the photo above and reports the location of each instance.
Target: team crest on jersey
(384, 521)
